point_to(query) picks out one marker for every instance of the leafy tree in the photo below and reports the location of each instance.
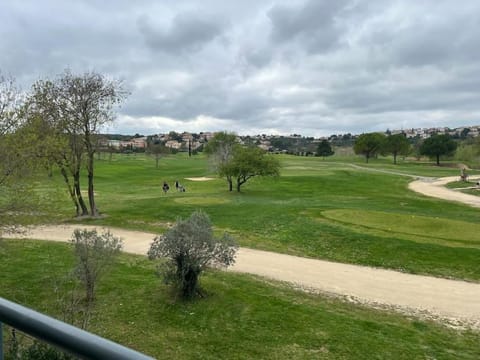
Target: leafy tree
(438, 145)
(89, 99)
(464, 133)
(94, 253)
(220, 149)
(189, 248)
(80, 105)
(325, 149)
(57, 138)
(172, 135)
(396, 145)
(248, 162)
(369, 144)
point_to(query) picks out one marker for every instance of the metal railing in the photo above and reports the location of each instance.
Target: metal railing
(66, 337)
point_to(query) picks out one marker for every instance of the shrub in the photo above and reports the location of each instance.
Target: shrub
(94, 253)
(189, 248)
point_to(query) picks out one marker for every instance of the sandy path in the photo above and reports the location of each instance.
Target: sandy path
(436, 188)
(442, 298)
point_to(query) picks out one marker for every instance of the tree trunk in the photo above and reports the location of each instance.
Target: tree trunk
(78, 193)
(190, 284)
(367, 156)
(230, 184)
(438, 159)
(91, 195)
(71, 190)
(238, 186)
(395, 158)
(157, 157)
(90, 169)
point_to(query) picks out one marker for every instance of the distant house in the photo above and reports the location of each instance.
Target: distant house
(173, 144)
(139, 143)
(116, 144)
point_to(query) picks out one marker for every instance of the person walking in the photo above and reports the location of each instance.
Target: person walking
(165, 187)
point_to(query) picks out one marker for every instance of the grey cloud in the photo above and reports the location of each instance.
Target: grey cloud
(313, 24)
(286, 65)
(187, 32)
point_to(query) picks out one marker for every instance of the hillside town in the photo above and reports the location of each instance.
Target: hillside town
(294, 143)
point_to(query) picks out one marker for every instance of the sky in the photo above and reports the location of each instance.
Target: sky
(310, 67)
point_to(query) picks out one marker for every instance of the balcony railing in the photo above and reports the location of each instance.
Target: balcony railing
(66, 337)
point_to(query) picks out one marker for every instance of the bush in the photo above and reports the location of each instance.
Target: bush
(94, 254)
(189, 248)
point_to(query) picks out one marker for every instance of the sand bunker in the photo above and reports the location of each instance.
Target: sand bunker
(199, 179)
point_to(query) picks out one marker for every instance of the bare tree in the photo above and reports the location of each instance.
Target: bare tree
(221, 149)
(16, 198)
(157, 150)
(10, 100)
(94, 254)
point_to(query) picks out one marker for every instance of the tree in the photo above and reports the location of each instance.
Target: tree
(94, 253)
(220, 150)
(17, 199)
(438, 145)
(157, 150)
(57, 137)
(80, 105)
(369, 144)
(324, 149)
(397, 144)
(189, 248)
(248, 162)
(89, 99)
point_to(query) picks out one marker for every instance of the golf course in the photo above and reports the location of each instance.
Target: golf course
(339, 209)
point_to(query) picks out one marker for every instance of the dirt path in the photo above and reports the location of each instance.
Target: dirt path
(436, 188)
(455, 301)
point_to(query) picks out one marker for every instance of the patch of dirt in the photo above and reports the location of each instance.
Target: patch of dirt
(199, 179)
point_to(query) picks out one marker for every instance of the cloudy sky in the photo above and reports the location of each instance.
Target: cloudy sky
(314, 67)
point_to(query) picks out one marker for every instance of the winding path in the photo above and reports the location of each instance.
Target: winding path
(454, 301)
(436, 188)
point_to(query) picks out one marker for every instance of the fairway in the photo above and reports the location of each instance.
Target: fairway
(336, 209)
(433, 230)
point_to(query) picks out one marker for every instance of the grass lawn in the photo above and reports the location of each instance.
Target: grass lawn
(336, 209)
(242, 317)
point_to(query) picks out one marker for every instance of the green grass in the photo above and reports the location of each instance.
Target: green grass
(293, 214)
(242, 317)
(460, 185)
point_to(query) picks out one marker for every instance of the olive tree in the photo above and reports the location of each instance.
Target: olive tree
(189, 247)
(94, 253)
